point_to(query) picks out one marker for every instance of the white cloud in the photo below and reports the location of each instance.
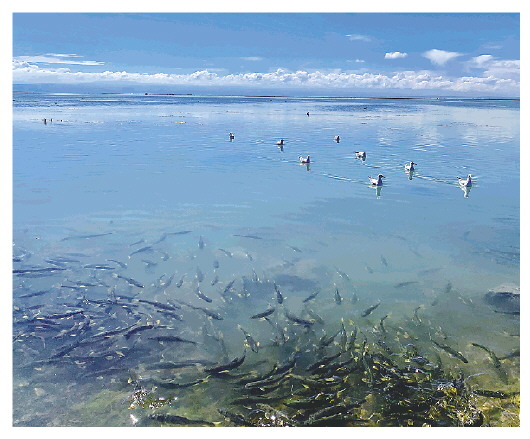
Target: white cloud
(252, 58)
(358, 37)
(57, 58)
(495, 79)
(395, 55)
(440, 57)
(480, 60)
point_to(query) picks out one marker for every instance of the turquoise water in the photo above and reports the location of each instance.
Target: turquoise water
(136, 169)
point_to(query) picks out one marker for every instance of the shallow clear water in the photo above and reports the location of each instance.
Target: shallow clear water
(136, 169)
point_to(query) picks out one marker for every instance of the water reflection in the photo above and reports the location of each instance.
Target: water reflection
(410, 174)
(466, 190)
(378, 191)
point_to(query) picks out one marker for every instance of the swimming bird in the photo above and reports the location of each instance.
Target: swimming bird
(303, 160)
(465, 182)
(377, 181)
(336, 139)
(231, 135)
(410, 167)
(360, 154)
(279, 142)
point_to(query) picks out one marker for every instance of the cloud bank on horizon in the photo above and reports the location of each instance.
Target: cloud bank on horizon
(498, 77)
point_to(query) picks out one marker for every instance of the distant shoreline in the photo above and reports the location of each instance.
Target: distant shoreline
(441, 98)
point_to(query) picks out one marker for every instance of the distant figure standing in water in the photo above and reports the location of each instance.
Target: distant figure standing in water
(307, 113)
(231, 135)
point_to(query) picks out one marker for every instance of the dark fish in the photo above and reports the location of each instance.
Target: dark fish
(149, 264)
(516, 353)
(62, 315)
(263, 314)
(314, 316)
(60, 260)
(166, 235)
(181, 281)
(171, 385)
(494, 393)
(129, 280)
(145, 249)
(494, 359)
(249, 236)
(215, 280)
(451, 352)
(381, 325)
(325, 361)
(216, 264)
(98, 267)
(338, 298)
(160, 305)
(137, 329)
(202, 296)
(298, 320)
(342, 274)
(383, 261)
(405, 284)
(171, 338)
(34, 294)
(236, 362)
(369, 269)
(210, 313)
(370, 309)
(296, 249)
(121, 264)
(86, 236)
(235, 418)
(249, 256)
(177, 420)
(199, 276)
(37, 270)
(227, 253)
(311, 296)
(279, 296)
(253, 344)
(228, 286)
(137, 242)
(201, 243)
(178, 364)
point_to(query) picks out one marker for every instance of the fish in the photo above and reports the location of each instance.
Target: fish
(342, 274)
(171, 385)
(338, 298)
(314, 316)
(137, 242)
(227, 253)
(311, 296)
(201, 243)
(146, 249)
(370, 309)
(405, 284)
(178, 364)
(98, 267)
(325, 361)
(215, 264)
(253, 344)
(296, 249)
(199, 275)
(137, 329)
(235, 418)
(249, 236)
(172, 338)
(383, 261)
(178, 420)
(494, 359)
(369, 269)
(129, 280)
(121, 264)
(202, 296)
(37, 270)
(249, 256)
(381, 326)
(34, 294)
(149, 264)
(96, 235)
(451, 352)
(181, 281)
(167, 234)
(222, 368)
(494, 393)
(215, 280)
(263, 314)
(298, 320)
(279, 296)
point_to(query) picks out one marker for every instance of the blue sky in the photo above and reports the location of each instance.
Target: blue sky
(473, 54)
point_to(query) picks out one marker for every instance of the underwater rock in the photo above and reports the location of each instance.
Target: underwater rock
(504, 299)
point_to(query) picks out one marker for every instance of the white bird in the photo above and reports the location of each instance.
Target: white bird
(279, 142)
(410, 167)
(303, 160)
(336, 139)
(377, 181)
(360, 154)
(465, 182)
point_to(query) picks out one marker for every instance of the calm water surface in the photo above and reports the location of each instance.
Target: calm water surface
(108, 175)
